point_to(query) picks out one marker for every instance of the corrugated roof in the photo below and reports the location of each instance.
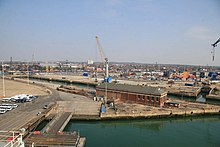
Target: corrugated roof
(132, 88)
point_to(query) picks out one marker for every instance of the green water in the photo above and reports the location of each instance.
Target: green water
(185, 132)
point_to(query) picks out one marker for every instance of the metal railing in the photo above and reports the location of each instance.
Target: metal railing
(11, 139)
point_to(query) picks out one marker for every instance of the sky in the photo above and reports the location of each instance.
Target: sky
(142, 31)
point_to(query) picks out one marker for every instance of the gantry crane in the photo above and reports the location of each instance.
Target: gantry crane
(213, 51)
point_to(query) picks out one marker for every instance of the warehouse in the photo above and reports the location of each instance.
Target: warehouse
(140, 94)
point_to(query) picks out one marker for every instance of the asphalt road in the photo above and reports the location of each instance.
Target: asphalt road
(25, 112)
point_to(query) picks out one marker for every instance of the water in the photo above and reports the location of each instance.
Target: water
(201, 132)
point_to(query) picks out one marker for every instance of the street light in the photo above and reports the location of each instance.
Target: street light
(28, 73)
(3, 80)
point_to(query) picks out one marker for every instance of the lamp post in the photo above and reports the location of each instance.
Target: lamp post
(28, 73)
(3, 80)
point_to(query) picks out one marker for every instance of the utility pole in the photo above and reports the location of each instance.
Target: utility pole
(3, 79)
(28, 73)
(11, 63)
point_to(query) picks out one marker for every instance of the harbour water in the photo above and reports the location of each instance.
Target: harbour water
(181, 132)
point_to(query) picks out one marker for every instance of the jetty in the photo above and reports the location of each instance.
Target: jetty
(52, 134)
(58, 123)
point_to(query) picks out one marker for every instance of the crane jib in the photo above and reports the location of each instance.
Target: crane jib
(215, 44)
(213, 52)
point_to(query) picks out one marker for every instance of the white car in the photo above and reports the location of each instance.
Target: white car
(3, 111)
(6, 99)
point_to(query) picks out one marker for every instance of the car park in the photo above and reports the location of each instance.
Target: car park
(22, 98)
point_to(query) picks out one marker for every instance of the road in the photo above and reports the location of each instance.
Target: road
(28, 111)
(25, 112)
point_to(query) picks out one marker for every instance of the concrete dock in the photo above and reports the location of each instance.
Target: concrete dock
(142, 111)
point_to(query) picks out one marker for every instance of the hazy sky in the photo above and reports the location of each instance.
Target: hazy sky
(146, 31)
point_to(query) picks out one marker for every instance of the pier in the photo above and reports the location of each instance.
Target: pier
(53, 135)
(58, 123)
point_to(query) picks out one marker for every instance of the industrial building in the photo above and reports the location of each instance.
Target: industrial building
(140, 94)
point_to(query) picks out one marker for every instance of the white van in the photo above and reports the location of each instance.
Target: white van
(10, 105)
(6, 99)
(8, 108)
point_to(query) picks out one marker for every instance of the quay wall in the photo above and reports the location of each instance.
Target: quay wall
(173, 113)
(213, 97)
(64, 80)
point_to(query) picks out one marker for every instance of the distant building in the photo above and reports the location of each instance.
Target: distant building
(146, 95)
(90, 62)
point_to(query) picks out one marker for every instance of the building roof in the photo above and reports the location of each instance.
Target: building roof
(132, 88)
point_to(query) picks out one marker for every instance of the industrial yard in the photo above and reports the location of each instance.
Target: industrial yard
(59, 97)
(81, 105)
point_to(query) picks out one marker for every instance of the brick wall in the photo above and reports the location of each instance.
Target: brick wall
(152, 100)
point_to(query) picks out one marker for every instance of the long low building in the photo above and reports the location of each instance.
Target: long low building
(146, 95)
